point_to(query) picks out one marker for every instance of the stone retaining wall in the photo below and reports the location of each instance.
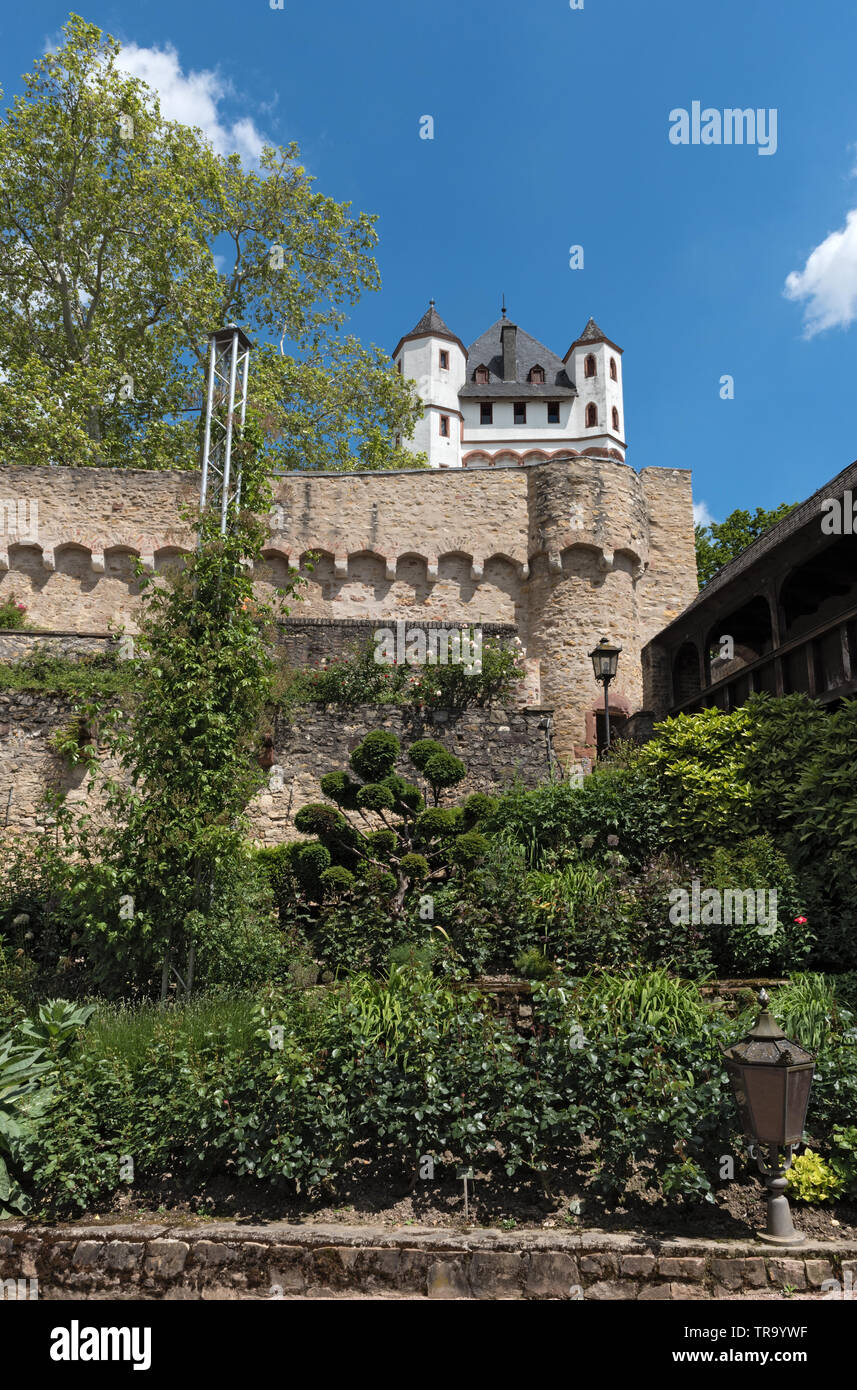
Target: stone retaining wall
(496, 745)
(280, 1260)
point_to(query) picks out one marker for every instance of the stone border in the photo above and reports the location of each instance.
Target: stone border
(282, 1260)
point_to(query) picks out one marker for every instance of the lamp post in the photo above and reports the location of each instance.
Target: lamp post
(605, 660)
(771, 1078)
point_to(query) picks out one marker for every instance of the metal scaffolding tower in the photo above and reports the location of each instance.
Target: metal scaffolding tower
(225, 407)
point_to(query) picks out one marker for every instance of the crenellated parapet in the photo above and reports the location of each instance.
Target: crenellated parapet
(566, 550)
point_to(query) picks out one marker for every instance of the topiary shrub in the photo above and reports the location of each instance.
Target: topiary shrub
(382, 842)
(440, 768)
(375, 758)
(415, 866)
(375, 797)
(336, 880)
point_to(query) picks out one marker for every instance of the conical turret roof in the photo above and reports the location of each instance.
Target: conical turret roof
(431, 325)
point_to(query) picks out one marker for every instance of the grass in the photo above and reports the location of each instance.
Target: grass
(98, 674)
(650, 999)
(131, 1033)
(807, 1009)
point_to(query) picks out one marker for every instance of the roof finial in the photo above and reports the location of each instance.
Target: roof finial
(504, 305)
(431, 303)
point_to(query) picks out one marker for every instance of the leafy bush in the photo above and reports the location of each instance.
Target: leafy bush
(534, 966)
(811, 1179)
(616, 808)
(358, 678)
(742, 948)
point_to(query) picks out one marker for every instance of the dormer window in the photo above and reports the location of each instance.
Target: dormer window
(537, 376)
(589, 367)
(614, 375)
(591, 415)
(480, 376)
(444, 360)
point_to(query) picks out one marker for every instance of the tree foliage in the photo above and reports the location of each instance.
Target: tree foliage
(124, 240)
(721, 541)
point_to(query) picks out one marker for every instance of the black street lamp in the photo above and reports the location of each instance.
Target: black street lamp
(771, 1078)
(605, 660)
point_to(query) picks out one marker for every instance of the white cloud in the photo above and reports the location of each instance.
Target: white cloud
(828, 282)
(194, 98)
(701, 515)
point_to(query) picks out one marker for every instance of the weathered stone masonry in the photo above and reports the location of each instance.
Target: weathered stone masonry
(223, 1260)
(567, 550)
(496, 745)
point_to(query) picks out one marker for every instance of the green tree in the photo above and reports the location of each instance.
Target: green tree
(171, 876)
(124, 239)
(721, 541)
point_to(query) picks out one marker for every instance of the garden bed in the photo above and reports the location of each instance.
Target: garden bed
(383, 1198)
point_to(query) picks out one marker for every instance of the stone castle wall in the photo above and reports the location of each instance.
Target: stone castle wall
(567, 551)
(496, 745)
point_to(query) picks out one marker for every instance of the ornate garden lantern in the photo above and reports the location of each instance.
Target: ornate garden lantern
(605, 661)
(771, 1078)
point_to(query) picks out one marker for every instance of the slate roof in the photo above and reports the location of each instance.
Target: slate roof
(487, 351)
(806, 514)
(593, 334)
(431, 324)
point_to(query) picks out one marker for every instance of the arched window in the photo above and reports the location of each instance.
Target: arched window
(615, 419)
(589, 367)
(614, 375)
(537, 376)
(591, 415)
(480, 376)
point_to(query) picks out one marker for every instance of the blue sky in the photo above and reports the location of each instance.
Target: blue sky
(551, 129)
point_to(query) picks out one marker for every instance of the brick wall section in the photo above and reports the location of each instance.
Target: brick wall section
(495, 744)
(567, 551)
(280, 1260)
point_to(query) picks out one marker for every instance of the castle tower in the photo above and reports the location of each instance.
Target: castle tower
(436, 360)
(594, 364)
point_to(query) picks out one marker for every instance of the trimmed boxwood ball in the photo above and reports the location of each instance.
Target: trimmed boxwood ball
(336, 880)
(476, 808)
(382, 841)
(339, 787)
(375, 757)
(379, 880)
(414, 866)
(469, 848)
(317, 818)
(437, 823)
(424, 748)
(375, 797)
(405, 793)
(443, 769)
(309, 862)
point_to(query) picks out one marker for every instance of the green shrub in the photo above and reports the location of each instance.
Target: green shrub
(742, 948)
(375, 758)
(811, 1179)
(336, 880)
(534, 966)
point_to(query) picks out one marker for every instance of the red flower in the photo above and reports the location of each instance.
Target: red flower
(802, 920)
